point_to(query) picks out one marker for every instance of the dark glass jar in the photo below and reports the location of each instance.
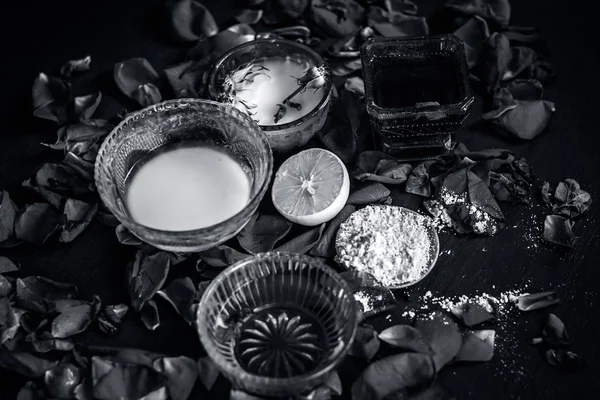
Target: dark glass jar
(417, 92)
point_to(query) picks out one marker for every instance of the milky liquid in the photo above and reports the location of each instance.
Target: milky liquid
(185, 188)
(267, 91)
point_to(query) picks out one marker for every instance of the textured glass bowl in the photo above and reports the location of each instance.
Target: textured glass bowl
(277, 324)
(417, 93)
(215, 124)
(282, 137)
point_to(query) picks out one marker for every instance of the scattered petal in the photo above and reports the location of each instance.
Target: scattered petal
(9, 321)
(72, 321)
(262, 232)
(396, 24)
(79, 65)
(149, 315)
(222, 256)
(558, 230)
(366, 343)
(474, 34)
(146, 275)
(8, 215)
(207, 372)
(394, 374)
(535, 301)
(62, 380)
(565, 360)
(325, 247)
(443, 336)
(51, 97)
(181, 373)
(555, 332)
(477, 346)
(380, 167)
(181, 294)
(497, 11)
(85, 106)
(248, 16)
(472, 314)
(36, 223)
(7, 266)
(133, 75)
(78, 216)
(304, 242)
(191, 20)
(113, 380)
(372, 193)
(336, 18)
(405, 337)
(340, 133)
(26, 364)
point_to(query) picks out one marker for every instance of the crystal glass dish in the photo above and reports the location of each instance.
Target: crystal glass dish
(215, 124)
(286, 136)
(277, 324)
(417, 93)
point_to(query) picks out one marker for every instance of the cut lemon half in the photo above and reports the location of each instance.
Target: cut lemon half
(311, 187)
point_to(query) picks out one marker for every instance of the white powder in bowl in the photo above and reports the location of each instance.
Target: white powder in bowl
(389, 242)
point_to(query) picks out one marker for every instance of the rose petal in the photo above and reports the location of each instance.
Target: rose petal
(79, 65)
(51, 97)
(191, 20)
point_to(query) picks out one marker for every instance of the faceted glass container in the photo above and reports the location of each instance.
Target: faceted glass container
(417, 93)
(277, 324)
(183, 120)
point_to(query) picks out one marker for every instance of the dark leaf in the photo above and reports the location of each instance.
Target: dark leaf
(83, 168)
(147, 94)
(222, 256)
(262, 232)
(565, 360)
(521, 60)
(481, 197)
(555, 332)
(59, 179)
(79, 65)
(494, 59)
(146, 275)
(558, 230)
(325, 247)
(393, 374)
(477, 346)
(525, 89)
(181, 373)
(366, 343)
(149, 315)
(405, 337)
(395, 24)
(334, 383)
(51, 97)
(6, 287)
(472, 314)
(524, 119)
(572, 200)
(207, 372)
(81, 137)
(492, 10)
(546, 193)
(124, 236)
(355, 85)
(181, 294)
(30, 391)
(443, 336)
(339, 135)
(112, 380)
(418, 181)
(191, 20)
(7, 266)
(248, 16)
(474, 34)
(62, 380)
(109, 319)
(336, 19)
(79, 215)
(380, 167)
(72, 321)
(85, 106)
(44, 342)
(36, 223)
(8, 215)
(9, 321)
(132, 74)
(535, 301)
(39, 294)
(369, 194)
(25, 364)
(304, 242)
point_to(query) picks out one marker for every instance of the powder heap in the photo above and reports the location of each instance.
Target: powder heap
(391, 243)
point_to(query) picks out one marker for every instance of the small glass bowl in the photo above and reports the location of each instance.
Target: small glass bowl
(215, 124)
(277, 324)
(283, 137)
(417, 93)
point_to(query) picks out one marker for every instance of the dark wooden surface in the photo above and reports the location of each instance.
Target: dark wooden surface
(41, 35)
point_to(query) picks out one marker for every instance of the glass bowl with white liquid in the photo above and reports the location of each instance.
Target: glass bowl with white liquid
(258, 77)
(184, 175)
(277, 324)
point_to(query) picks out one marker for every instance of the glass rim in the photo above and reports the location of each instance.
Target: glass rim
(328, 88)
(166, 235)
(221, 362)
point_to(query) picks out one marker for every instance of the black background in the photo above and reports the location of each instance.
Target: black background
(41, 35)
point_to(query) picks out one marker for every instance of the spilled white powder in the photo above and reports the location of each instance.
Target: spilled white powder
(388, 242)
(367, 301)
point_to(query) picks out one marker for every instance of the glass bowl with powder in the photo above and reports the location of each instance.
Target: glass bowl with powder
(283, 85)
(397, 246)
(184, 175)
